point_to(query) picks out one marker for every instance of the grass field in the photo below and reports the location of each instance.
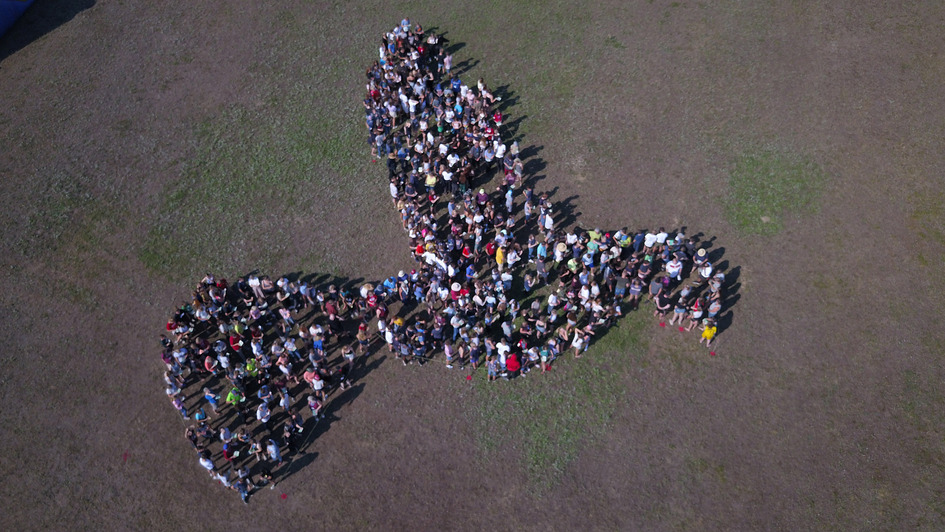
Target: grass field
(143, 145)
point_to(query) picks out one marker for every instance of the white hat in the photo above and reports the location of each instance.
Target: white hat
(456, 287)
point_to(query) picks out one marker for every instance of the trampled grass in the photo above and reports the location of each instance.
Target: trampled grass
(547, 419)
(767, 185)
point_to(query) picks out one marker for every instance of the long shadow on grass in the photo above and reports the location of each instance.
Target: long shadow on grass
(39, 19)
(341, 333)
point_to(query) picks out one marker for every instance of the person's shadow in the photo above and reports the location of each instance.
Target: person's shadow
(38, 20)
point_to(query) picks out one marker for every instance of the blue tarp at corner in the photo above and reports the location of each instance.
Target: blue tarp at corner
(10, 10)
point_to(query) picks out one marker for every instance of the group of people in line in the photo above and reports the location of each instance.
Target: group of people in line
(498, 282)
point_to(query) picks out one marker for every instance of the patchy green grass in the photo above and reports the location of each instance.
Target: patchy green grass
(70, 212)
(767, 185)
(251, 165)
(549, 418)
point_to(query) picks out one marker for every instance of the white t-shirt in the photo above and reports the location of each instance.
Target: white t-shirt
(705, 270)
(503, 348)
(263, 413)
(673, 268)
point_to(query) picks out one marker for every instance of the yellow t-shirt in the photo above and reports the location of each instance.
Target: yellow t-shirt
(709, 332)
(500, 256)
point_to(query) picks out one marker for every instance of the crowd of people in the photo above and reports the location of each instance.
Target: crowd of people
(498, 283)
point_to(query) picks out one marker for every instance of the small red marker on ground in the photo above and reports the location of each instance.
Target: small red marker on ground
(284, 496)
(468, 377)
(662, 324)
(124, 457)
(682, 329)
(712, 353)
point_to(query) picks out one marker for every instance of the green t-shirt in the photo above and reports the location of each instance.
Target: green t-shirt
(234, 396)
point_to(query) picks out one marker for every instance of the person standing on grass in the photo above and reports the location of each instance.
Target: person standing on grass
(205, 433)
(288, 435)
(578, 342)
(636, 290)
(285, 398)
(310, 374)
(695, 313)
(265, 477)
(448, 352)
(229, 451)
(544, 356)
(531, 361)
(286, 368)
(272, 448)
(492, 368)
(205, 461)
(191, 436)
(264, 394)
(236, 398)
(512, 365)
(241, 486)
(315, 406)
(256, 449)
(475, 352)
(212, 399)
(245, 474)
(663, 305)
(318, 386)
(178, 403)
(503, 349)
(347, 353)
(708, 331)
(364, 339)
